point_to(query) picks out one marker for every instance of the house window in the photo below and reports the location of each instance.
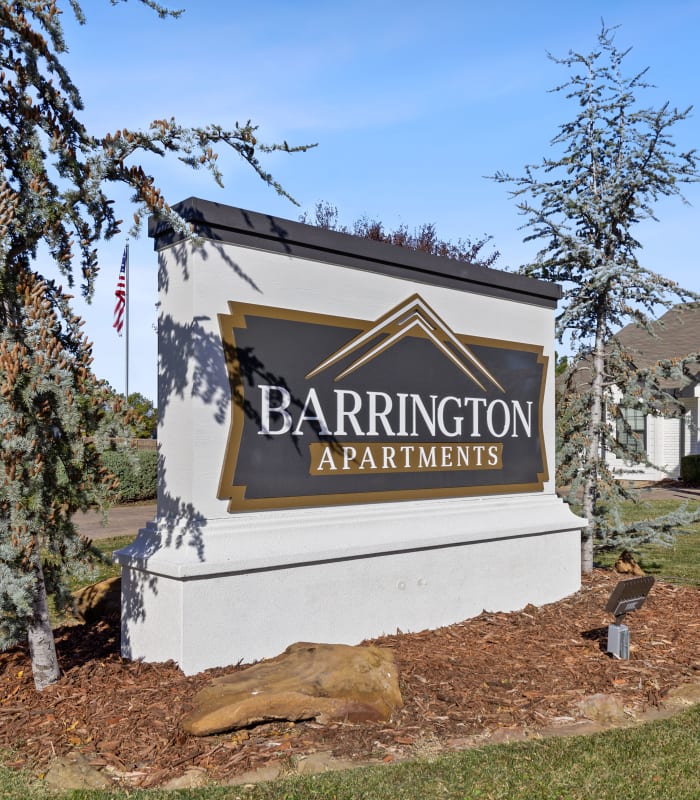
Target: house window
(631, 429)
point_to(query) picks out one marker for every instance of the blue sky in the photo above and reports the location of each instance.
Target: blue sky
(411, 104)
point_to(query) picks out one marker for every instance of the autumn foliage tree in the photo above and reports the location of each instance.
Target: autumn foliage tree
(423, 239)
(55, 205)
(145, 421)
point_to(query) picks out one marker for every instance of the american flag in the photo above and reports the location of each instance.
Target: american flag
(120, 294)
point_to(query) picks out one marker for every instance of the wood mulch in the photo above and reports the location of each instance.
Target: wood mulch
(519, 672)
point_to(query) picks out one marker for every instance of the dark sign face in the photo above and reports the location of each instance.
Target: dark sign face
(331, 411)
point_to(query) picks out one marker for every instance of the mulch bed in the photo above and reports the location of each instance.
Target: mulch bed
(517, 672)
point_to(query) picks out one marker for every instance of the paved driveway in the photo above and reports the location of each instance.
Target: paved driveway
(669, 490)
(122, 521)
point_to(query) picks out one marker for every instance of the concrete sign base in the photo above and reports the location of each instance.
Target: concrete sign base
(327, 576)
(353, 439)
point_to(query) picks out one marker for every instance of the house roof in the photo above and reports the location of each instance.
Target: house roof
(675, 335)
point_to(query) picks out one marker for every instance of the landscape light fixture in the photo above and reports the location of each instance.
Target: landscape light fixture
(627, 596)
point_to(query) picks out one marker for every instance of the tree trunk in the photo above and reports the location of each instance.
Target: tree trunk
(587, 532)
(42, 647)
(593, 456)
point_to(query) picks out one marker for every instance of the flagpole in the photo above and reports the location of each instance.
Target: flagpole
(126, 311)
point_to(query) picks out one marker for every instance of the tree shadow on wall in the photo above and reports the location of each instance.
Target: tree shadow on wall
(192, 365)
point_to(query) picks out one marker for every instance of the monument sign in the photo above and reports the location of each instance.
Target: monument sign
(353, 438)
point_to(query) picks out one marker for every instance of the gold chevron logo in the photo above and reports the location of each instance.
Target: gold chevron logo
(413, 317)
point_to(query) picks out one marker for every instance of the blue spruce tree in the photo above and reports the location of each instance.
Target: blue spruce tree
(54, 177)
(609, 165)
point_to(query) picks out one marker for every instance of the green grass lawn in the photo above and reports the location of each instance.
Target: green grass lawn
(679, 562)
(656, 761)
(107, 547)
(108, 568)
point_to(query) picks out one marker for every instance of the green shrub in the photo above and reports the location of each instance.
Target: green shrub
(137, 471)
(690, 469)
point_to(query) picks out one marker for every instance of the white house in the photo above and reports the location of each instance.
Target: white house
(664, 439)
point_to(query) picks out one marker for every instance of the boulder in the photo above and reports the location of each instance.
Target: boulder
(193, 778)
(72, 772)
(307, 681)
(99, 600)
(606, 709)
(687, 694)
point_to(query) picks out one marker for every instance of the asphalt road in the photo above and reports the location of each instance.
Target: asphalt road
(122, 520)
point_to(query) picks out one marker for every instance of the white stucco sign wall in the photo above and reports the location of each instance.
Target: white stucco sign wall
(353, 438)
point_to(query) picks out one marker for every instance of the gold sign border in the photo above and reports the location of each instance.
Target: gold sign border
(236, 318)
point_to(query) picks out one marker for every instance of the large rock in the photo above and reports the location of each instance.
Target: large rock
(74, 771)
(606, 709)
(99, 600)
(307, 681)
(687, 694)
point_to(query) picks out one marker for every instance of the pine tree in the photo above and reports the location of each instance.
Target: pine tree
(610, 165)
(51, 410)
(54, 177)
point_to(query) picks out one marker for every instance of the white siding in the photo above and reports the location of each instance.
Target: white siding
(671, 452)
(692, 434)
(664, 457)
